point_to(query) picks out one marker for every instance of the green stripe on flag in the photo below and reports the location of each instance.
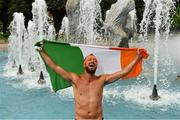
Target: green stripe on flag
(68, 57)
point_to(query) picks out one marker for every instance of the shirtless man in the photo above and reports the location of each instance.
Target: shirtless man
(87, 87)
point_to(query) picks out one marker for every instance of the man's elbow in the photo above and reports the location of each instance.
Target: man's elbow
(125, 72)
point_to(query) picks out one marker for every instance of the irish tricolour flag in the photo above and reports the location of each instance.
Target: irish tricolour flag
(71, 56)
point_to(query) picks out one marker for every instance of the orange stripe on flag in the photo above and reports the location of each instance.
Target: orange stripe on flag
(127, 56)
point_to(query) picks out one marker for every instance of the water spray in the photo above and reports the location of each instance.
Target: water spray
(161, 21)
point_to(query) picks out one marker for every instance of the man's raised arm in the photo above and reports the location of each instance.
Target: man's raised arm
(109, 78)
(64, 73)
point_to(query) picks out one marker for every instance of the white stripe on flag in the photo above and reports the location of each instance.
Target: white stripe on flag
(108, 60)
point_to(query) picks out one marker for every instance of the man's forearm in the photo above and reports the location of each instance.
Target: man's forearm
(64, 73)
(129, 67)
(47, 59)
(120, 74)
(117, 75)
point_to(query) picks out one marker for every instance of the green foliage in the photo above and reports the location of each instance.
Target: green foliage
(176, 18)
(56, 4)
(1, 3)
(17, 6)
(4, 5)
(1, 25)
(4, 36)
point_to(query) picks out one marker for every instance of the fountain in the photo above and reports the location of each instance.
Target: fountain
(84, 18)
(16, 40)
(158, 13)
(43, 29)
(22, 53)
(86, 29)
(31, 39)
(65, 29)
(90, 15)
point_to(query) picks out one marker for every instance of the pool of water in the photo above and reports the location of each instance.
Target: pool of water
(22, 98)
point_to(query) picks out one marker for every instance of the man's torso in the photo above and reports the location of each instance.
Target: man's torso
(88, 98)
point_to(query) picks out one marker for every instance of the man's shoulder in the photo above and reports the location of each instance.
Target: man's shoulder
(75, 76)
(101, 77)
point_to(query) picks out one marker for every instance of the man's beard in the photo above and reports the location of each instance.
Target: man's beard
(90, 71)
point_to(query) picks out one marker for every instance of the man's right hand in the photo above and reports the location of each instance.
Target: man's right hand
(40, 47)
(142, 53)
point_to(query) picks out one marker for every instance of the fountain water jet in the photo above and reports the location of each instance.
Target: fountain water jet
(22, 55)
(90, 16)
(84, 19)
(43, 29)
(17, 38)
(31, 39)
(65, 29)
(158, 12)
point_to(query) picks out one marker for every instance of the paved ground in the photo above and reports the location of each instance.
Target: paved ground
(3, 47)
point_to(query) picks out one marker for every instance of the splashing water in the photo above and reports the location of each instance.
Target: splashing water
(87, 27)
(137, 94)
(65, 29)
(32, 52)
(21, 46)
(90, 16)
(16, 40)
(146, 18)
(40, 18)
(51, 33)
(43, 29)
(157, 12)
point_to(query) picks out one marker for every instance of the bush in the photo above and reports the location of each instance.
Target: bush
(176, 18)
(4, 36)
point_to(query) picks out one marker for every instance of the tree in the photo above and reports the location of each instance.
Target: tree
(58, 10)
(23, 6)
(176, 17)
(4, 16)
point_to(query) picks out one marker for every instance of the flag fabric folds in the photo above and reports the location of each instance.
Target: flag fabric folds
(71, 56)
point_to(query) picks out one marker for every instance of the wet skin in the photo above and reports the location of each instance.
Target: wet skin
(88, 90)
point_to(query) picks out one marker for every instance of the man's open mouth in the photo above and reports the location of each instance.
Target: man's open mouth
(91, 64)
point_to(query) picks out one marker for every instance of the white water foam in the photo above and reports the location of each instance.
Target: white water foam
(140, 95)
(26, 82)
(136, 94)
